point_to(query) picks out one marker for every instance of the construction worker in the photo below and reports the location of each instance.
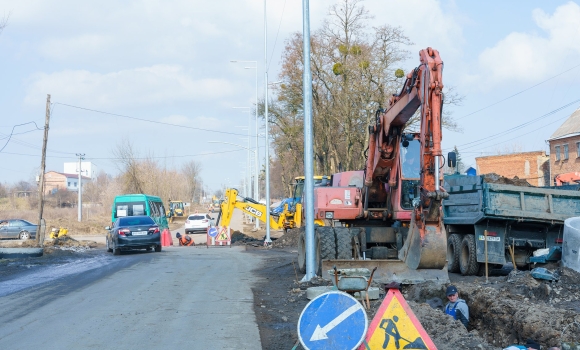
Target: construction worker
(456, 308)
(184, 240)
(530, 345)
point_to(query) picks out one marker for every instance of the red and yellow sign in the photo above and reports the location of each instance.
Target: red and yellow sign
(395, 327)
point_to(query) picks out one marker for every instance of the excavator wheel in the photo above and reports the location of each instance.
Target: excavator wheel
(327, 246)
(302, 250)
(343, 243)
(468, 264)
(453, 251)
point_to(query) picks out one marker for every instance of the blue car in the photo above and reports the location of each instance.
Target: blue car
(133, 232)
(17, 228)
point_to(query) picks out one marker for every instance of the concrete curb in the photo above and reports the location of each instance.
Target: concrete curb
(13, 253)
(313, 292)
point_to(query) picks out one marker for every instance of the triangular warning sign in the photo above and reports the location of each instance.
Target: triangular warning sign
(223, 234)
(395, 327)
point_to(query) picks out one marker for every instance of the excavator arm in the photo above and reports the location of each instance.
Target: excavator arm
(425, 246)
(248, 206)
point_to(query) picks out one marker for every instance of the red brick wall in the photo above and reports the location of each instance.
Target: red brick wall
(562, 166)
(53, 180)
(510, 165)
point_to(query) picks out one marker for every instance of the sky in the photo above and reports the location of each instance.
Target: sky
(159, 75)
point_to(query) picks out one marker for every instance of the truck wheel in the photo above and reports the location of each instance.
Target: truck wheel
(343, 243)
(302, 251)
(327, 246)
(453, 250)
(468, 264)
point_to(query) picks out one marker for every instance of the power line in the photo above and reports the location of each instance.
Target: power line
(149, 121)
(278, 32)
(517, 127)
(507, 98)
(12, 133)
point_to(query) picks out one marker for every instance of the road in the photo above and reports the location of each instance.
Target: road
(182, 297)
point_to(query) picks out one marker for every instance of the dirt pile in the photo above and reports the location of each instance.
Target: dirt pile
(498, 179)
(507, 311)
(289, 239)
(240, 238)
(67, 243)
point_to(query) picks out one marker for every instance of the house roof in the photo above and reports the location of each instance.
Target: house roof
(570, 127)
(69, 175)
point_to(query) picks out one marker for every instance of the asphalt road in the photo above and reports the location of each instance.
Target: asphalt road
(182, 297)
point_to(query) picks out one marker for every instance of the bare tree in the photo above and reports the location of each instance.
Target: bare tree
(191, 172)
(4, 22)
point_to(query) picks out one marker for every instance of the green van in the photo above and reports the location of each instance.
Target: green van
(140, 204)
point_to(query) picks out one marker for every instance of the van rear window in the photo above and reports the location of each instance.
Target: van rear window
(129, 209)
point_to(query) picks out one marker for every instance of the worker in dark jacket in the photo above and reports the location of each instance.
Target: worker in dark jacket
(184, 240)
(456, 308)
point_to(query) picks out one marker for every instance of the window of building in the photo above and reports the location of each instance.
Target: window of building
(565, 151)
(75, 184)
(577, 149)
(527, 168)
(69, 184)
(557, 148)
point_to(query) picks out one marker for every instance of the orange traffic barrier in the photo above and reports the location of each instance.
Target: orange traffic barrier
(166, 239)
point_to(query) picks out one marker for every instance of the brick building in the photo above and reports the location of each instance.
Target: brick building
(565, 147)
(531, 166)
(53, 182)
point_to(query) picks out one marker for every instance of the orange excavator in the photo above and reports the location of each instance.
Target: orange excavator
(389, 215)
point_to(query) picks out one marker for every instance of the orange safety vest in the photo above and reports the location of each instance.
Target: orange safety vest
(186, 241)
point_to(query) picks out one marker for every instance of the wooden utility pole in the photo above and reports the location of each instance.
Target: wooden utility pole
(39, 230)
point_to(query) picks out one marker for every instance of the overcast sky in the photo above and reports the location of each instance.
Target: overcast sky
(163, 68)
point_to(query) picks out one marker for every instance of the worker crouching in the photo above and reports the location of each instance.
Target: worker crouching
(184, 240)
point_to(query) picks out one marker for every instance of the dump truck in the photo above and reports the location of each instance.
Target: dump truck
(506, 215)
(389, 215)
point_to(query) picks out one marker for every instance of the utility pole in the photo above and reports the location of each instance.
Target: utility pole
(39, 230)
(81, 157)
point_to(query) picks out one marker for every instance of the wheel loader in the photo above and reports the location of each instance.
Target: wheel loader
(389, 214)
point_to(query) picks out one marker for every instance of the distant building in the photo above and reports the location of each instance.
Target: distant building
(534, 167)
(88, 169)
(565, 147)
(54, 182)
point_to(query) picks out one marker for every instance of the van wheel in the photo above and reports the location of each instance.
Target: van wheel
(453, 250)
(468, 264)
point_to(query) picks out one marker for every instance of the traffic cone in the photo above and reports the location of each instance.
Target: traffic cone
(166, 238)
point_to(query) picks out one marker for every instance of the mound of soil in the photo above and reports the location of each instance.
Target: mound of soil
(498, 179)
(240, 238)
(289, 239)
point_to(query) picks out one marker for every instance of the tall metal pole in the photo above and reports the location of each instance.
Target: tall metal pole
(308, 149)
(39, 229)
(81, 157)
(267, 145)
(257, 170)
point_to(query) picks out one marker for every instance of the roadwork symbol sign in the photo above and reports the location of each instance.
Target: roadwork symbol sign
(333, 320)
(219, 235)
(395, 327)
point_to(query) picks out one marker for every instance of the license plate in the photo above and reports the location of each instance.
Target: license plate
(489, 238)
(139, 233)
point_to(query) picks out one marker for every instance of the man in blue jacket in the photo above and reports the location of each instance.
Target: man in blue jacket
(456, 308)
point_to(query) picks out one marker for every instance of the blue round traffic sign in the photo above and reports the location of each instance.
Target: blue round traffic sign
(212, 232)
(333, 320)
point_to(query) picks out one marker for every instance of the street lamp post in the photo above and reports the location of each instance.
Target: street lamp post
(257, 163)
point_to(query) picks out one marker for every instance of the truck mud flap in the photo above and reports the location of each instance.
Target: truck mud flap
(389, 271)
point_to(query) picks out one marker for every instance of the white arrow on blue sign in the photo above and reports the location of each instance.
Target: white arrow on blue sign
(212, 232)
(333, 320)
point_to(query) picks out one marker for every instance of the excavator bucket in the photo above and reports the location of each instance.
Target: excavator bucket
(425, 252)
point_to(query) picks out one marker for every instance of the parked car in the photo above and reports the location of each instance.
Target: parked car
(17, 228)
(198, 223)
(133, 232)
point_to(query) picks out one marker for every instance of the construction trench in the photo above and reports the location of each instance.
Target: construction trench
(511, 308)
